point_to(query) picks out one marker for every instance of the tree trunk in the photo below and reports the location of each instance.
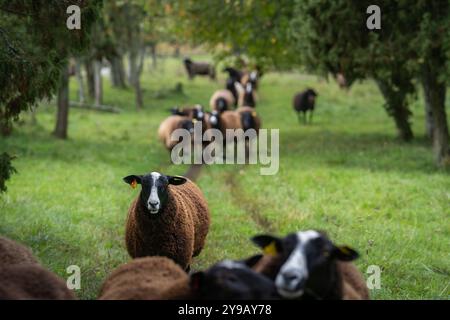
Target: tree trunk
(62, 115)
(118, 72)
(90, 78)
(154, 57)
(436, 91)
(396, 107)
(79, 76)
(98, 83)
(135, 74)
(429, 121)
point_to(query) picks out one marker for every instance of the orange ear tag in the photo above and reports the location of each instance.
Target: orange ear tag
(133, 184)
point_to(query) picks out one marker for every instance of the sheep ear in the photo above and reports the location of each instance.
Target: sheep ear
(345, 253)
(176, 180)
(269, 244)
(251, 261)
(196, 280)
(133, 180)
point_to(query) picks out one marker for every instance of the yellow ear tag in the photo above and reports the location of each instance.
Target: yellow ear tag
(133, 184)
(344, 250)
(254, 113)
(194, 120)
(270, 249)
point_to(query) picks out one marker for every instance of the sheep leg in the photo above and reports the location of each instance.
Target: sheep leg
(304, 117)
(311, 117)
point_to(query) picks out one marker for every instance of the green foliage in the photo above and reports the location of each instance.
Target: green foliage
(348, 177)
(34, 46)
(254, 29)
(6, 169)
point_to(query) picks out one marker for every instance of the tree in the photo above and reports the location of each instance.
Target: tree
(34, 46)
(332, 37)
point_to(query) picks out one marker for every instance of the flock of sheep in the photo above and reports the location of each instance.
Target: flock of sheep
(167, 226)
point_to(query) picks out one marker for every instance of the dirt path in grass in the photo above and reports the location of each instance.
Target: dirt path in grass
(249, 205)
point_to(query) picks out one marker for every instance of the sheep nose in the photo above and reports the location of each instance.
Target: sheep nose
(289, 276)
(153, 204)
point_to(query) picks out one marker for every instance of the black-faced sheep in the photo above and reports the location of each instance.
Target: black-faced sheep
(236, 89)
(159, 278)
(307, 265)
(232, 280)
(169, 218)
(222, 100)
(199, 68)
(251, 77)
(12, 253)
(248, 97)
(149, 278)
(234, 74)
(169, 125)
(32, 281)
(249, 118)
(304, 102)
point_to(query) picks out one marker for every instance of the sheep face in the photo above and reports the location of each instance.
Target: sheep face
(187, 125)
(249, 99)
(308, 261)
(214, 119)
(154, 193)
(232, 280)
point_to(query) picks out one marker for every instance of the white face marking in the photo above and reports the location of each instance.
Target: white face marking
(230, 264)
(153, 203)
(253, 75)
(213, 119)
(295, 269)
(248, 87)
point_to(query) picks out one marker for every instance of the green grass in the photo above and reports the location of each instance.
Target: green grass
(347, 174)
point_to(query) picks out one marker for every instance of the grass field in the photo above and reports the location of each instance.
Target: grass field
(346, 173)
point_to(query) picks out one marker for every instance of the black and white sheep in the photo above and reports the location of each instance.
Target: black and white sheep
(249, 118)
(304, 102)
(308, 265)
(247, 98)
(234, 74)
(199, 68)
(236, 89)
(251, 77)
(232, 280)
(159, 278)
(169, 218)
(169, 125)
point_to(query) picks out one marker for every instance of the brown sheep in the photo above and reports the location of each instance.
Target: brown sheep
(149, 278)
(247, 97)
(31, 281)
(169, 218)
(332, 276)
(249, 118)
(159, 278)
(169, 125)
(12, 253)
(199, 68)
(222, 100)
